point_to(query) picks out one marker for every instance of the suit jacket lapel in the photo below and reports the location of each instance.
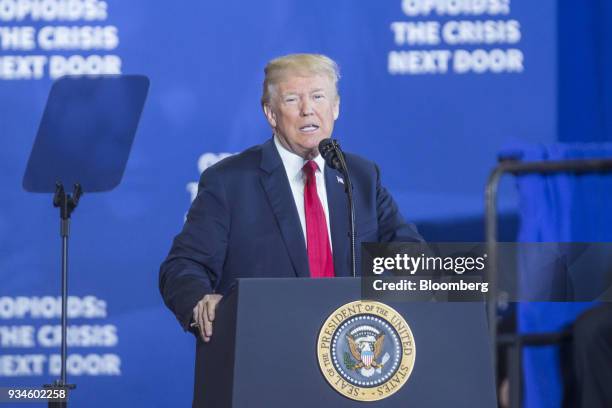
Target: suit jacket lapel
(338, 214)
(276, 185)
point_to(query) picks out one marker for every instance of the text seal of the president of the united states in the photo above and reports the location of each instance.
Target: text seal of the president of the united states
(366, 350)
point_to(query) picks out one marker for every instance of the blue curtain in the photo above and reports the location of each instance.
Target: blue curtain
(563, 207)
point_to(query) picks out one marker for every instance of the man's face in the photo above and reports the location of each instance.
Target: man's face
(302, 112)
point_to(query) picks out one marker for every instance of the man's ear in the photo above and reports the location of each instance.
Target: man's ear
(270, 115)
(337, 107)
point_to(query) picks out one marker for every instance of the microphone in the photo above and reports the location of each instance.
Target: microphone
(334, 158)
(330, 150)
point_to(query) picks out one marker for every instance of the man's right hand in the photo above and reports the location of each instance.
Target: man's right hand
(204, 315)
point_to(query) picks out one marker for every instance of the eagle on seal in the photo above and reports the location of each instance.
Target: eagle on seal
(366, 353)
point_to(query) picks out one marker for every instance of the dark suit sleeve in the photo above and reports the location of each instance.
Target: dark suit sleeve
(392, 227)
(196, 259)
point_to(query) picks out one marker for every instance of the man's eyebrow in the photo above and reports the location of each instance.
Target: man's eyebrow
(292, 92)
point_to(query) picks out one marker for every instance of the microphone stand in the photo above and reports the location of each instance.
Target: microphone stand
(331, 152)
(348, 188)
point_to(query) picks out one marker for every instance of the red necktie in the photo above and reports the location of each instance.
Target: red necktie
(318, 248)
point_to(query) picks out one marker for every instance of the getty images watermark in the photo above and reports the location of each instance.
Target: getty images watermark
(538, 272)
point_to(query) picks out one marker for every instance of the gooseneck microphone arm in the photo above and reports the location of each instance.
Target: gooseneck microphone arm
(332, 153)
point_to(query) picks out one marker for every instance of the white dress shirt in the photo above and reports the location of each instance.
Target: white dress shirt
(293, 166)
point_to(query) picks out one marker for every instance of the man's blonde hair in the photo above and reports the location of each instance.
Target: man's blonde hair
(301, 65)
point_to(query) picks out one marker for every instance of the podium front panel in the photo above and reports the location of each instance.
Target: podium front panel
(273, 335)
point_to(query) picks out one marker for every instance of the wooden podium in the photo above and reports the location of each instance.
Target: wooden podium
(263, 352)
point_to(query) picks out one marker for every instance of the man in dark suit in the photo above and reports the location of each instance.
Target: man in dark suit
(592, 352)
(276, 210)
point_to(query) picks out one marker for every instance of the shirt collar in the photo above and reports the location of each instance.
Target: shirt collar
(294, 163)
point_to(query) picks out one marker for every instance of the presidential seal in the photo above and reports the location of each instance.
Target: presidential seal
(366, 350)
